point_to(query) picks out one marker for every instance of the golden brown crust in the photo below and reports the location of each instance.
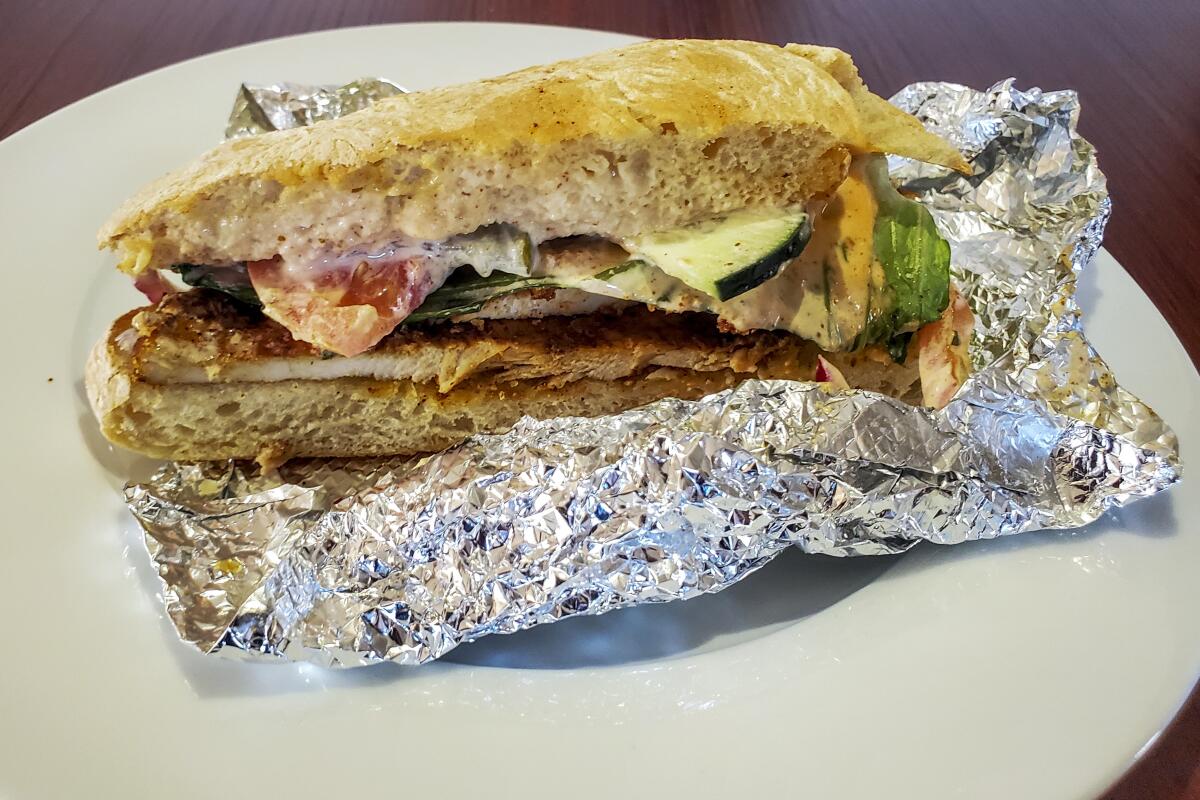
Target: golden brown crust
(428, 161)
(886, 128)
(203, 337)
(205, 328)
(555, 366)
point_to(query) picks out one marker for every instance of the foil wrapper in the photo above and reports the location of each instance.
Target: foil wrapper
(345, 563)
(259, 109)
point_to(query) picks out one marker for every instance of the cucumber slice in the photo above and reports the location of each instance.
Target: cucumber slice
(727, 256)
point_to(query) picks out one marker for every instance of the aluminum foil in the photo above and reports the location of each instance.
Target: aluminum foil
(345, 563)
(259, 109)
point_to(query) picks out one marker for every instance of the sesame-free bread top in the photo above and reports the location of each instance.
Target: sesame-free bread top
(641, 138)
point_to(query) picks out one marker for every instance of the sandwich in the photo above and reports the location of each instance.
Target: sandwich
(661, 220)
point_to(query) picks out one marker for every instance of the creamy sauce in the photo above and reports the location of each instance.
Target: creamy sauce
(498, 247)
(823, 294)
(346, 302)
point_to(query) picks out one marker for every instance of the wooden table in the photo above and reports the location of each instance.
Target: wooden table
(1135, 64)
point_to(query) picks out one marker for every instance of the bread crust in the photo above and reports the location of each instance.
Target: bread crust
(611, 144)
(632, 140)
(555, 367)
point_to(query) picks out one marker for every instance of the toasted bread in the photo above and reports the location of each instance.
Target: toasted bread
(642, 138)
(198, 377)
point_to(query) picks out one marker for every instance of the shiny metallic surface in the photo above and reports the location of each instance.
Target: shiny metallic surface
(345, 563)
(259, 109)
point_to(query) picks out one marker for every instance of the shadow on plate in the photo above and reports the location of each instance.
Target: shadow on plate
(791, 587)
(1149, 518)
(1087, 289)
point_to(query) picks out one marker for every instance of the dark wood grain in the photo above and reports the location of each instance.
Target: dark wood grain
(1135, 63)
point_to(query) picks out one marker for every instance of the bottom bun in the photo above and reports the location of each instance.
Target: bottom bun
(272, 421)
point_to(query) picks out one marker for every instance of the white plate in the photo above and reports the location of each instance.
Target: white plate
(1035, 667)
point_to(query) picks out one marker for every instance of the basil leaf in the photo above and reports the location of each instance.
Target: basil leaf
(233, 281)
(466, 291)
(916, 261)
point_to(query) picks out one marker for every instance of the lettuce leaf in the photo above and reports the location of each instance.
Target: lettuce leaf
(915, 260)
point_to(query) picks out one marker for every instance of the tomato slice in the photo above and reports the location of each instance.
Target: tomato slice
(345, 306)
(943, 358)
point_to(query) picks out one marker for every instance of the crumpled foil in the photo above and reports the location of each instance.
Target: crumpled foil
(345, 563)
(259, 109)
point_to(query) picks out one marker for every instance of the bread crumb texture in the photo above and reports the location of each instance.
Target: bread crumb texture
(642, 138)
(584, 366)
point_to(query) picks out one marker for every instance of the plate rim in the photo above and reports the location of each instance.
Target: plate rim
(21, 135)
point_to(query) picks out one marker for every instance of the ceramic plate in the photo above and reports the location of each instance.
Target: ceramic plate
(1034, 667)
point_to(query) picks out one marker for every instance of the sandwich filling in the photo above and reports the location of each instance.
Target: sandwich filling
(863, 267)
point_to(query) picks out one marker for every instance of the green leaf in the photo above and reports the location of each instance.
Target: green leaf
(915, 260)
(897, 347)
(233, 281)
(466, 291)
